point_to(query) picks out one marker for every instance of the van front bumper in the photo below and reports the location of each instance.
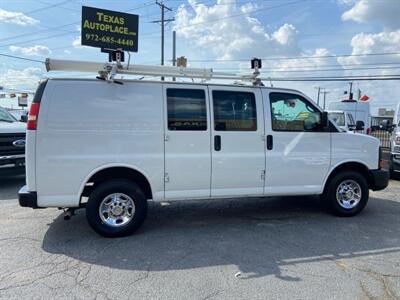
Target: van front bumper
(379, 179)
(26, 198)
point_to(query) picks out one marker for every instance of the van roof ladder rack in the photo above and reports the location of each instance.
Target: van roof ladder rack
(107, 71)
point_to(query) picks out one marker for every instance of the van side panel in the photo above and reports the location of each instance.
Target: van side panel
(85, 125)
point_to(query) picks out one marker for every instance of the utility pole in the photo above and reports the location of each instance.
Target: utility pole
(325, 92)
(173, 50)
(319, 92)
(351, 91)
(162, 22)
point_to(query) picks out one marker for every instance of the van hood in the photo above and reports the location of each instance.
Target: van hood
(12, 127)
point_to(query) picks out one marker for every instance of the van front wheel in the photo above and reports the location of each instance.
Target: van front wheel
(347, 194)
(116, 208)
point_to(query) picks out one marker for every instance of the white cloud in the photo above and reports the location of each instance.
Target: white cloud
(16, 18)
(382, 94)
(285, 35)
(76, 41)
(231, 37)
(385, 11)
(383, 42)
(25, 79)
(37, 50)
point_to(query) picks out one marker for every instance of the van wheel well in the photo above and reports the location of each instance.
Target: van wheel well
(351, 166)
(118, 172)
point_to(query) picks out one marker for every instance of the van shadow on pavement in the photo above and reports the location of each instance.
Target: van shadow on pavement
(259, 236)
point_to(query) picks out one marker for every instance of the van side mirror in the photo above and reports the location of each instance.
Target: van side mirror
(360, 125)
(324, 119)
(24, 118)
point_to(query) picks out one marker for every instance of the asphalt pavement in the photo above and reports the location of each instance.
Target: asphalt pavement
(263, 248)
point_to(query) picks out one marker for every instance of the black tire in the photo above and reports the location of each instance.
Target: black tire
(329, 195)
(126, 187)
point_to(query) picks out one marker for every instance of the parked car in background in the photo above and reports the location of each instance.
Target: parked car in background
(360, 111)
(117, 145)
(12, 144)
(394, 157)
(20, 114)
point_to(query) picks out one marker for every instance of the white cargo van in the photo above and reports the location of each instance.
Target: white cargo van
(360, 110)
(111, 147)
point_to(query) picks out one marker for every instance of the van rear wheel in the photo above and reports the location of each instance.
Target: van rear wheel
(116, 208)
(347, 194)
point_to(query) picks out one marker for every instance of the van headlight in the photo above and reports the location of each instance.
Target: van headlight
(397, 140)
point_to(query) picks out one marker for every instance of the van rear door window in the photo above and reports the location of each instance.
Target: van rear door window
(186, 109)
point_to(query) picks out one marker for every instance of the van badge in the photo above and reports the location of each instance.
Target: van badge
(19, 143)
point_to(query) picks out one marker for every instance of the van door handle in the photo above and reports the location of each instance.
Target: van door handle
(270, 142)
(217, 143)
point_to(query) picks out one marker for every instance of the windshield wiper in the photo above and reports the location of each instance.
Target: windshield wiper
(5, 120)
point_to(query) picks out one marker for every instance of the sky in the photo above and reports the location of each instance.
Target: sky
(291, 36)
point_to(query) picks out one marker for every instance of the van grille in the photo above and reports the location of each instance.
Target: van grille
(6, 144)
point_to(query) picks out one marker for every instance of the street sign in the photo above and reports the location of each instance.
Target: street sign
(114, 55)
(22, 101)
(256, 63)
(109, 29)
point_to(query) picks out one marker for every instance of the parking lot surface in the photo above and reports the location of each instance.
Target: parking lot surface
(271, 248)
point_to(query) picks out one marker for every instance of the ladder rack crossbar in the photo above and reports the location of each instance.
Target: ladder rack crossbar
(145, 70)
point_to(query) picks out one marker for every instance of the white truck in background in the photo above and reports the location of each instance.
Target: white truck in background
(360, 111)
(343, 119)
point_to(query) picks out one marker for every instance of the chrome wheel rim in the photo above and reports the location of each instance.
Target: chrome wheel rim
(348, 194)
(117, 209)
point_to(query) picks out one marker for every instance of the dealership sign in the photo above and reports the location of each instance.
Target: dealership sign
(109, 29)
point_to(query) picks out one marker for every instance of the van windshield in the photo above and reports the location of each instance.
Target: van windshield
(5, 116)
(338, 118)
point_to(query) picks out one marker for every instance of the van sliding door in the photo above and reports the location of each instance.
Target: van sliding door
(187, 142)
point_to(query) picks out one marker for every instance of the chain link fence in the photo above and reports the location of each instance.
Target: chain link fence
(382, 135)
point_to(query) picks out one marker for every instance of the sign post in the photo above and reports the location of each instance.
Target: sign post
(109, 29)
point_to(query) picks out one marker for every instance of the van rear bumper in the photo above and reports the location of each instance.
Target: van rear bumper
(26, 198)
(379, 179)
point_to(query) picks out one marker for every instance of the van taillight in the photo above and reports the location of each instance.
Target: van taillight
(33, 116)
(368, 130)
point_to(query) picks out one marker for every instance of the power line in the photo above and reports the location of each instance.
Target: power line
(321, 66)
(22, 58)
(279, 70)
(38, 39)
(142, 5)
(39, 9)
(37, 32)
(245, 13)
(337, 78)
(298, 57)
